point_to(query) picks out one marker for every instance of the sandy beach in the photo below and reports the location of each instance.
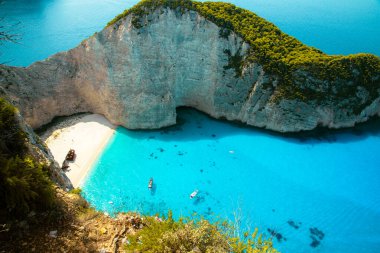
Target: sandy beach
(87, 134)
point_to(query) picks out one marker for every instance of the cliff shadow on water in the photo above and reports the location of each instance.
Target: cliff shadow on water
(195, 125)
(359, 132)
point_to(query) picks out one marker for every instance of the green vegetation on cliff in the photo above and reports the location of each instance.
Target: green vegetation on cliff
(279, 54)
(24, 182)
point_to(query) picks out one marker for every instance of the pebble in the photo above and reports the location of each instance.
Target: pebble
(53, 233)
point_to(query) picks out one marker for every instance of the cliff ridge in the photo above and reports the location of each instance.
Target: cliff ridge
(160, 55)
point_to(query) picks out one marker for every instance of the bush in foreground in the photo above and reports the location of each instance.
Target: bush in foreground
(193, 235)
(24, 182)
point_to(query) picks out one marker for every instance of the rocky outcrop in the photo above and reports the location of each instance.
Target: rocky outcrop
(137, 77)
(39, 151)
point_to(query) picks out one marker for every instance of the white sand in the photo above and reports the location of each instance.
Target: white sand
(87, 135)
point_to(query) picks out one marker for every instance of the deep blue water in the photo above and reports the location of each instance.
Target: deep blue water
(330, 183)
(47, 27)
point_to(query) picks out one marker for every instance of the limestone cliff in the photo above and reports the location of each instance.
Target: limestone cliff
(140, 68)
(35, 148)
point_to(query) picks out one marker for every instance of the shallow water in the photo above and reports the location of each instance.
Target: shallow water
(331, 183)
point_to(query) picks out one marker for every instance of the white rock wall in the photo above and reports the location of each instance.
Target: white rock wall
(138, 77)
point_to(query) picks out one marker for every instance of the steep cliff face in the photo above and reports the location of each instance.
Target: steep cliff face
(30, 145)
(41, 153)
(138, 75)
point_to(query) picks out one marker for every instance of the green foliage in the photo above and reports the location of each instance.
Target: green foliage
(76, 191)
(24, 183)
(253, 243)
(144, 7)
(279, 53)
(11, 138)
(193, 235)
(234, 62)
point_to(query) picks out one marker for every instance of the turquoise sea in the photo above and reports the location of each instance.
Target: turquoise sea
(319, 193)
(290, 185)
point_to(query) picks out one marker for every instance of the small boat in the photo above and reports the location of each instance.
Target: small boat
(193, 194)
(150, 185)
(70, 155)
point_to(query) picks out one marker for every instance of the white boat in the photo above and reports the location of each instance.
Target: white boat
(150, 184)
(193, 194)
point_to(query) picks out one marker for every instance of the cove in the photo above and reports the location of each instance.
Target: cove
(289, 185)
(297, 187)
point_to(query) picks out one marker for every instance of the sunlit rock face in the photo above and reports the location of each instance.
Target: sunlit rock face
(137, 77)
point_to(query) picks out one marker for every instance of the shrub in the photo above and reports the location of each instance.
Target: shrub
(24, 185)
(24, 182)
(12, 138)
(76, 191)
(193, 235)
